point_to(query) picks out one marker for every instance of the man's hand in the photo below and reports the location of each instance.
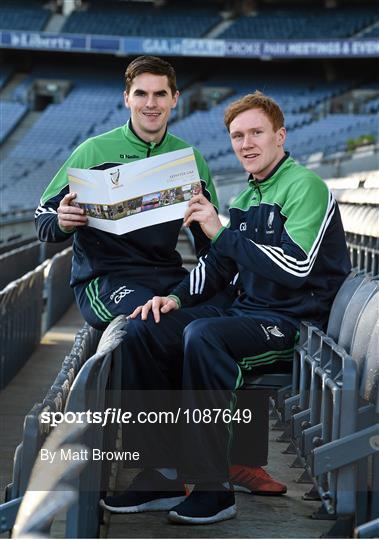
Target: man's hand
(201, 210)
(70, 216)
(158, 305)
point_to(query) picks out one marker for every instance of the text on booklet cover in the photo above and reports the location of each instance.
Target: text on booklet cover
(138, 194)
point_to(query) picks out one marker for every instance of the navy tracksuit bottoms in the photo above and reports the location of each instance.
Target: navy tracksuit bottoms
(194, 360)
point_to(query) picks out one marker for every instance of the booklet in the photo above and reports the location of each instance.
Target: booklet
(138, 194)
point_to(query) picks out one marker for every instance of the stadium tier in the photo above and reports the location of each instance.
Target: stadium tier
(195, 19)
(143, 19)
(23, 15)
(300, 23)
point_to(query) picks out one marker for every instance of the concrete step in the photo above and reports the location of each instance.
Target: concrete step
(362, 33)
(55, 23)
(218, 29)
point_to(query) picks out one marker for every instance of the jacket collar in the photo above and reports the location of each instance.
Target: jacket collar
(132, 136)
(262, 183)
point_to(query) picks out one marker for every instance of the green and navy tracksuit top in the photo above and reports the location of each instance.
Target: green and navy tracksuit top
(286, 240)
(147, 255)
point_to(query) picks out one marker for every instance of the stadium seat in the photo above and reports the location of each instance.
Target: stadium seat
(40, 507)
(370, 376)
(356, 310)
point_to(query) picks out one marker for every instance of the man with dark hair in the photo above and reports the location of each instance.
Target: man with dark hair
(285, 239)
(113, 274)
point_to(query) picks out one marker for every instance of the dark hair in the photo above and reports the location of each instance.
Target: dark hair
(257, 100)
(150, 64)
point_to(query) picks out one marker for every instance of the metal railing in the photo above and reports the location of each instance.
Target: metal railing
(58, 292)
(21, 306)
(18, 262)
(364, 253)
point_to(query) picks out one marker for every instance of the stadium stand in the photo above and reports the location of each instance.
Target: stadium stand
(11, 114)
(23, 15)
(331, 134)
(187, 19)
(300, 23)
(298, 100)
(99, 107)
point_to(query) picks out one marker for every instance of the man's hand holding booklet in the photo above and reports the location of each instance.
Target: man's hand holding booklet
(138, 194)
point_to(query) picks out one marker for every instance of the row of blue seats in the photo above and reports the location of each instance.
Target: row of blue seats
(142, 20)
(266, 24)
(131, 18)
(302, 24)
(330, 134)
(23, 16)
(295, 94)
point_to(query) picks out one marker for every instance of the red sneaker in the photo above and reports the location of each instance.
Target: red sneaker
(255, 480)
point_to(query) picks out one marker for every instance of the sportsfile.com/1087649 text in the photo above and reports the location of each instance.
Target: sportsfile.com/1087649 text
(117, 416)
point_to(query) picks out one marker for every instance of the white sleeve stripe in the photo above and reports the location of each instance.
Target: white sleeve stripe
(197, 278)
(41, 210)
(329, 213)
(282, 265)
(309, 262)
(285, 261)
(192, 277)
(202, 275)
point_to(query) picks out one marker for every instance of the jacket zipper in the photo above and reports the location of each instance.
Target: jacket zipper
(258, 190)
